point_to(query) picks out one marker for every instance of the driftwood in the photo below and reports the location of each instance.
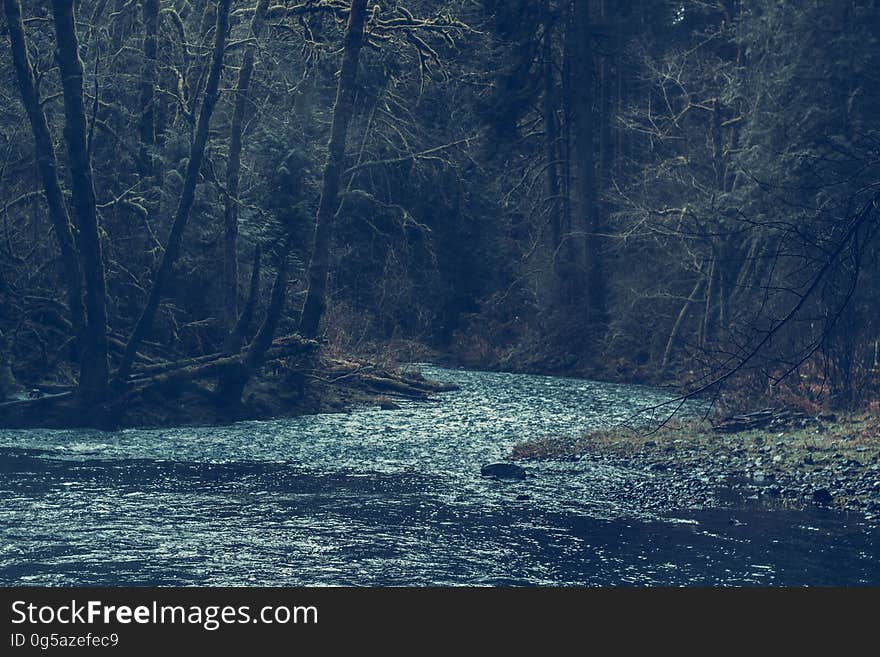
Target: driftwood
(406, 387)
(767, 418)
(379, 380)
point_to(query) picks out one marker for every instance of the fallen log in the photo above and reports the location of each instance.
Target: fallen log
(285, 347)
(167, 366)
(36, 402)
(392, 386)
(47, 410)
(379, 379)
(150, 371)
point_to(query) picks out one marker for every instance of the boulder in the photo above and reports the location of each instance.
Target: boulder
(503, 471)
(822, 496)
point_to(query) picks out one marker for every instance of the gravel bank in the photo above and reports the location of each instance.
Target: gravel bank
(832, 462)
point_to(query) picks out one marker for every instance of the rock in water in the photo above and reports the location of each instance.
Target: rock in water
(822, 496)
(503, 471)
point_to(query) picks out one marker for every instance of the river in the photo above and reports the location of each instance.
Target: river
(377, 497)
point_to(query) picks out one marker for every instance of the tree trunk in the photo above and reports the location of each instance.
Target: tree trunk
(187, 196)
(730, 262)
(150, 371)
(232, 383)
(319, 266)
(583, 90)
(718, 160)
(607, 154)
(569, 256)
(236, 337)
(93, 377)
(48, 168)
(551, 138)
(705, 326)
(195, 73)
(233, 170)
(149, 80)
(679, 322)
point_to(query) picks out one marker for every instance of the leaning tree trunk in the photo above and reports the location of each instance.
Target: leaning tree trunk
(93, 377)
(705, 326)
(319, 266)
(48, 168)
(233, 171)
(187, 197)
(679, 322)
(730, 260)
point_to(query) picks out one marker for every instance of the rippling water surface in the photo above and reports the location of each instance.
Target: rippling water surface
(392, 498)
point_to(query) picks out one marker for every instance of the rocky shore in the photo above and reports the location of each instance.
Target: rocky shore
(826, 461)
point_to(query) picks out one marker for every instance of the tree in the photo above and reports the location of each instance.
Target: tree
(48, 168)
(584, 89)
(95, 365)
(319, 266)
(187, 196)
(233, 169)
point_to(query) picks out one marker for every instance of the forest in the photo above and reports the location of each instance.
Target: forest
(218, 203)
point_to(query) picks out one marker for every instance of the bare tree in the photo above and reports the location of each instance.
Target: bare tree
(95, 366)
(319, 266)
(47, 165)
(233, 169)
(187, 196)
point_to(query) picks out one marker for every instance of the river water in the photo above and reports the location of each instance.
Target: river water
(379, 498)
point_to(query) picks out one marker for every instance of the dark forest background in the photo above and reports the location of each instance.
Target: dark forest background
(646, 191)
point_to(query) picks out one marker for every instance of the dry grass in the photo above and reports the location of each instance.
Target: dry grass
(855, 439)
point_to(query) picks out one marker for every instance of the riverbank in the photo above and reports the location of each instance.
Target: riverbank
(832, 462)
(285, 388)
